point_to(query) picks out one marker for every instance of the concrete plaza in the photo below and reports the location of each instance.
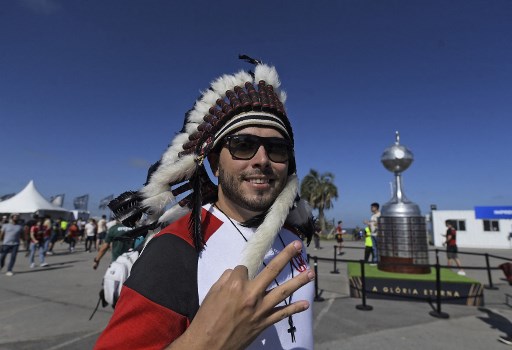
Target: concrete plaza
(49, 308)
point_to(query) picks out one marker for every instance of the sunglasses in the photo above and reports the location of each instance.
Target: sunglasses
(244, 147)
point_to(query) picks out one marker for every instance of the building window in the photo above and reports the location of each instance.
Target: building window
(458, 225)
(491, 225)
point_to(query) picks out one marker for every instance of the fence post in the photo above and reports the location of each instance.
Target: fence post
(335, 270)
(317, 295)
(437, 312)
(363, 306)
(489, 276)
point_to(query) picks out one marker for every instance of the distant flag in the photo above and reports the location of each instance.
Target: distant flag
(104, 202)
(80, 203)
(57, 200)
(6, 196)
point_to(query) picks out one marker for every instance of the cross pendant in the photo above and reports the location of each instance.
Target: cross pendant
(292, 330)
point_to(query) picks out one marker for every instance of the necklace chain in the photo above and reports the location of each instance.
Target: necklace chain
(292, 328)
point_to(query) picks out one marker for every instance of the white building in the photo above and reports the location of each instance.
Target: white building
(484, 227)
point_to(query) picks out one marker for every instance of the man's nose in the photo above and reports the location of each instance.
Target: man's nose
(261, 156)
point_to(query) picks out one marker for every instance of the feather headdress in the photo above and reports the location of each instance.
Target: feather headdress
(232, 102)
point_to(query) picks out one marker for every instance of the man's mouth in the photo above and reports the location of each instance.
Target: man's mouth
(259, 181)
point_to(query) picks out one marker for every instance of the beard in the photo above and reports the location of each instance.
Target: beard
(258, 201)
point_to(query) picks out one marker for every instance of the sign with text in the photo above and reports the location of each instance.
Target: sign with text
(414, 290)
(493, 212)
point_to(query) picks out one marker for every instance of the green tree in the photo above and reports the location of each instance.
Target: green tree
(319, 190)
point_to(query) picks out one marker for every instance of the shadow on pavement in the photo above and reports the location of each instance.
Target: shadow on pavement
(52, 266)
(496, 321)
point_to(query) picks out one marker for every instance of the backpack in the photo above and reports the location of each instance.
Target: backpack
(116, 274)
(119, 270)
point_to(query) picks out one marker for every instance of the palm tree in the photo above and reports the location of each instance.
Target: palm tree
(319, 190)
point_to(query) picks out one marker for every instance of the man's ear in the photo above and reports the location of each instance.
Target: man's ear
(213, 159)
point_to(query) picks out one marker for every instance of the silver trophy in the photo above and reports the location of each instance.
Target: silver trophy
(402, 235)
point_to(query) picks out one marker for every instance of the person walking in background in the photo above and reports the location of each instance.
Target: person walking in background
(63, 229)
(72, 235)
(10, 234)
(37, 243)
(451, 247)
(111, 222)
(339, 236)
(81, 229)
(368, 245)
(90, 235)
(47, 234)
(101, 231)
(54, 236)
(116, 241)
(26, 232)
(355, 233)
(373, 224)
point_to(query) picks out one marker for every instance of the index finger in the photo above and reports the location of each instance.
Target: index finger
(276, 265)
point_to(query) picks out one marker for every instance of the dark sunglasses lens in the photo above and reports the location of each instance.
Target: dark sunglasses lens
(243, 147)
(278, 151)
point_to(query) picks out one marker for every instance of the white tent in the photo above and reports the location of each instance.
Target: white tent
(29, 201)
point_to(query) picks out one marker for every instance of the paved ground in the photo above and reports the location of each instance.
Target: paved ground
(49, 308)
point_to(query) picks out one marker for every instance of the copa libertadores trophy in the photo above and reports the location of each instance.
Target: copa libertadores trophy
(402, 233)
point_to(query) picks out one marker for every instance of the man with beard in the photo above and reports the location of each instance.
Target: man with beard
(228, 272)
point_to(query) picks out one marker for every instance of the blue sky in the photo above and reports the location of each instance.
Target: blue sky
(91, 92)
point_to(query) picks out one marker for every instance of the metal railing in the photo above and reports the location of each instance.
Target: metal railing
(437, 309)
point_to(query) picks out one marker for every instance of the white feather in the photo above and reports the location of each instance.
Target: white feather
(191, 128)
(210, 97)
(222, 84)
(228, 82)
(169, 173)
(243, 77)
(260, 243)
(177, 148)
(268, 74)
(194, 116)
(180, 139)
(172, 172)
(282, 97)
(173, 214)
(171, 153)
(157, 203)
(201, 109)
(153, 217)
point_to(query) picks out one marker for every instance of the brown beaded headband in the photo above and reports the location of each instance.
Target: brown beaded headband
(265, 101)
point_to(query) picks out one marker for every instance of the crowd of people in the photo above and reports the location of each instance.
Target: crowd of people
(39, 235)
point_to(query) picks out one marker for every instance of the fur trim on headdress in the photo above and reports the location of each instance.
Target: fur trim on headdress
(259, 244)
